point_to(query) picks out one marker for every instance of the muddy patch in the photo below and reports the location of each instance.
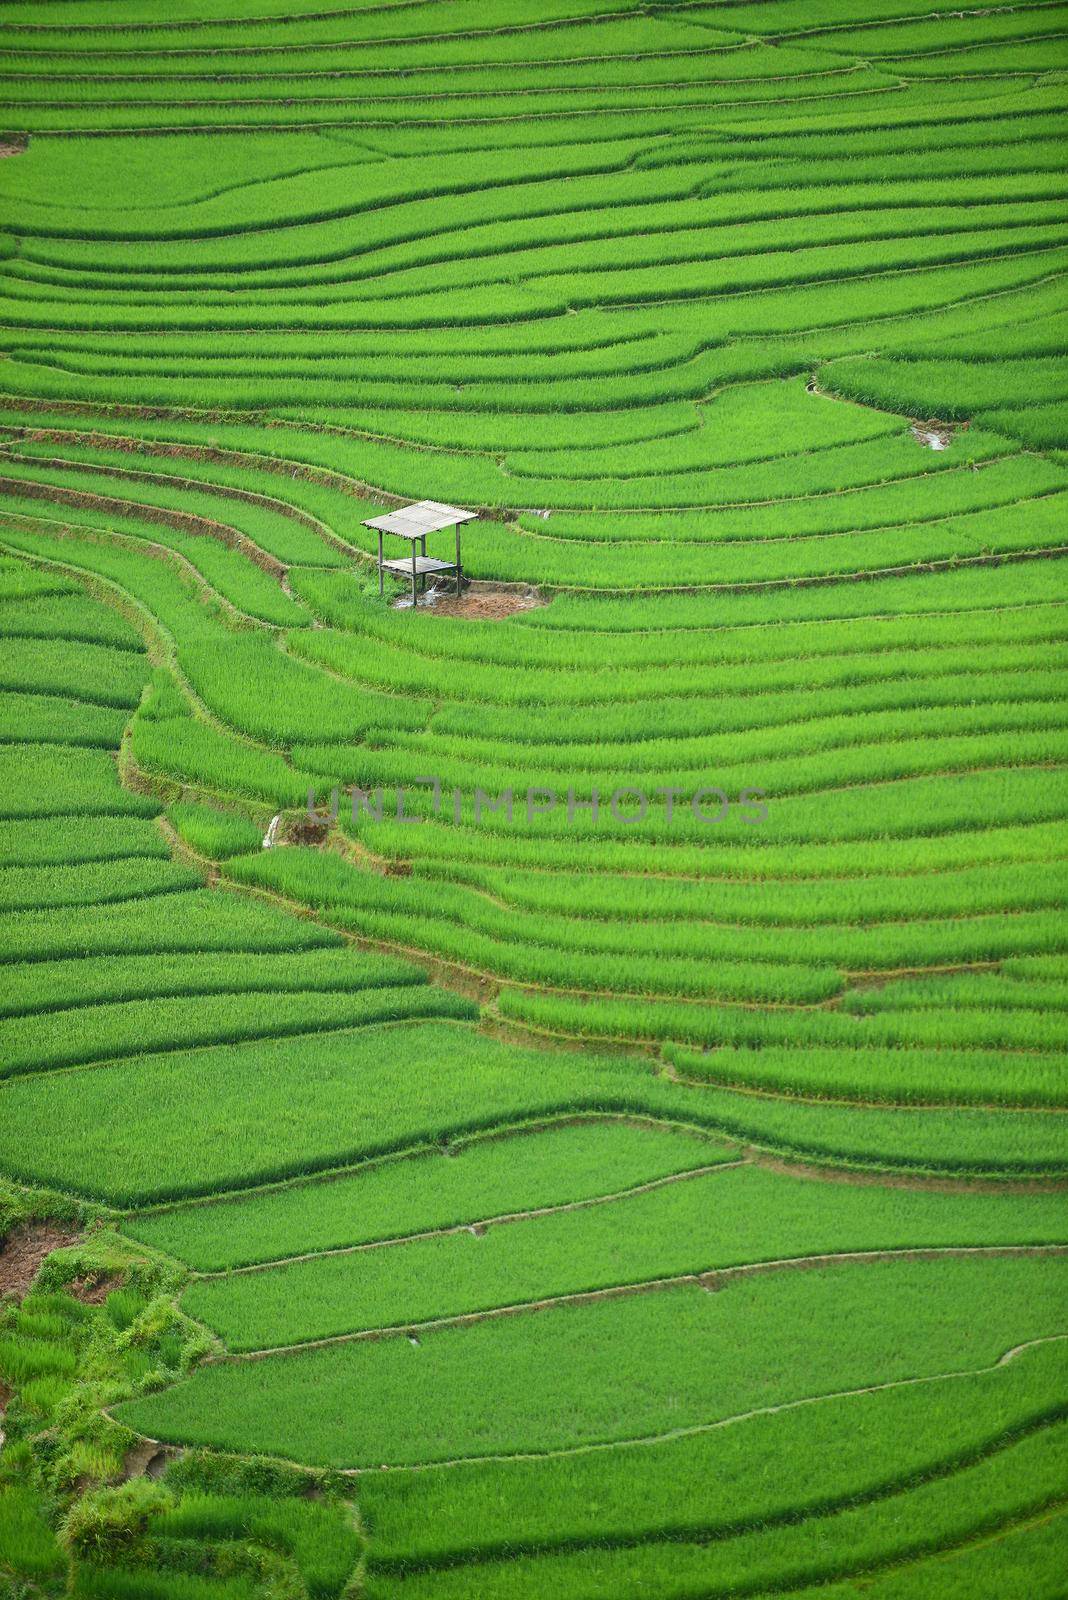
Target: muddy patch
(23, 1251)
(12, 147)
(308, 831)
(935, 435)
(93, 1289)
(478, 603)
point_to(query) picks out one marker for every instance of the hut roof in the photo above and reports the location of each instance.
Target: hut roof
(416, 521)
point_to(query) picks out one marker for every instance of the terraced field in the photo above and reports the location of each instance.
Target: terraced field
(615, 1147)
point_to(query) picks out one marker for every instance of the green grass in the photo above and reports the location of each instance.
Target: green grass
(659, 296)
(664, 1233)
(711, 1480)
(318, 1536)
(240, 581)
(555, 1380)
(356, 1103)
(703, 959)
(90, 883)
(57, 610)
(33, 988)
(192, 751)
(59, 721)
(212, 833)
(75, 839)
(959, 1139)
(439, 917)
(820, 1055)
(806, 900)
(956, 388)
(122, 1028)
(212, 520)
(1019, 1560)
(1023, 1479)
(66, 667)
(24, 1357)
(54, 782)
(560, 1165)
(28, 1543)
(118, 1583)
(197, 920)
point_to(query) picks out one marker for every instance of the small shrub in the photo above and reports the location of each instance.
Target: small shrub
(107, 1524)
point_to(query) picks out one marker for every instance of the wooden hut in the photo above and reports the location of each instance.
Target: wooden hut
(414, 523)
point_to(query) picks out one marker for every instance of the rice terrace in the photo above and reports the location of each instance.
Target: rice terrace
(534, 981)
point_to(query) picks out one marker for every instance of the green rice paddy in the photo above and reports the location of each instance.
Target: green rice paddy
(617, 1146)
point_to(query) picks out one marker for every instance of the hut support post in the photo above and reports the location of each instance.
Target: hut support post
(414, 523)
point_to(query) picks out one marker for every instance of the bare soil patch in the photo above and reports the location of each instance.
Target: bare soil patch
(94, 1289)
(478, 603)
(148, 1459)
(935, 434)
(308, 831)
(12, 147)
(23, 1251)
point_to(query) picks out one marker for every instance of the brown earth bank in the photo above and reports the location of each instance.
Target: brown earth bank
(23, 1250)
